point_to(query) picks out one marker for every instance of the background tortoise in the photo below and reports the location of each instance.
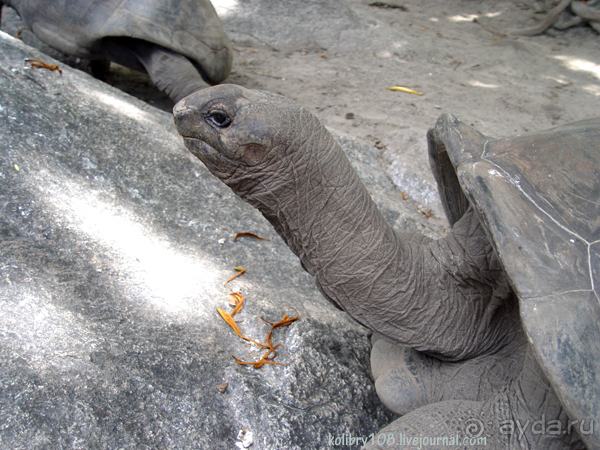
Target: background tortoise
(180, 43)
(529, 204)
(561, 18)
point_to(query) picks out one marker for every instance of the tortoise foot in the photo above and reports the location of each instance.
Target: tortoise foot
(406, 379)
(525, 413)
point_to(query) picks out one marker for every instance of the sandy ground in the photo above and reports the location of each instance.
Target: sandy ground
(457, 54)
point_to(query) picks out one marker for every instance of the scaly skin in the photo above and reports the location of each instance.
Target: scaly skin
(524, 415)
(447, 298)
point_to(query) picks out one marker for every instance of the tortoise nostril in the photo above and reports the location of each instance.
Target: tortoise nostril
(181, 106)
(186, 119)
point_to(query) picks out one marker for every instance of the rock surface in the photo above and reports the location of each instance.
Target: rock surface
(115, 243)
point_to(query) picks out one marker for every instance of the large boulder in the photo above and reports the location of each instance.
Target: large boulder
(115, 244)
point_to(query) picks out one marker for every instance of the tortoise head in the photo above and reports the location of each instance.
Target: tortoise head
(244, 136)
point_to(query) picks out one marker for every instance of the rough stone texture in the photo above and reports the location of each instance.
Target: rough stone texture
(115, 243)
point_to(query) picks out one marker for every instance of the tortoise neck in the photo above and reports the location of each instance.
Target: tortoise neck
(325, 214)
(414, 292)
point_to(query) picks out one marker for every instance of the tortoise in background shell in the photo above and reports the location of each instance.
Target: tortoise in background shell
(180, 43)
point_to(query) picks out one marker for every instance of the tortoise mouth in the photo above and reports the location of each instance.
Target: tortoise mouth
(198, 147)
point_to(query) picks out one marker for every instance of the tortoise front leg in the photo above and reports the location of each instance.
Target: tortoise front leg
(406, 379)
(170, 72)
(526, 414)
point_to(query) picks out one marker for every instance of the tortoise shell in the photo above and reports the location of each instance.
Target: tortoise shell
(538, 197)
(82, 28)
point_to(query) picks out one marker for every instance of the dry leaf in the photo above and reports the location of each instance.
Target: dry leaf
(404, 89)
(227, 317)
(239, 305)
(241, 271)
(43, 65)
(249, 235)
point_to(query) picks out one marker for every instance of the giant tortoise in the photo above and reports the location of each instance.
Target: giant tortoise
(180, 43)
(562, 17)
(514, 284)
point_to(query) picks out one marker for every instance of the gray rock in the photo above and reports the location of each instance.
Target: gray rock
(115, 243)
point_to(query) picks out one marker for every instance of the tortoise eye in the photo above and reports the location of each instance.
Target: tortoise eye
(219, 119)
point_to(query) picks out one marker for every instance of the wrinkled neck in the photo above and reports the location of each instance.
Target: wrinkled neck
(324, 213)
(333, 224)
(414, 292)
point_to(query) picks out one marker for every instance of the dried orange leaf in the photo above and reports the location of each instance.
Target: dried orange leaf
(281, 323)
(254, 342)
(269, 357)
(227, 317)
(241, 271)
(43, 65)
(249, 235)
(234, 298)
(258, 364)
(239, 361)
(239, 304)
(286, 321)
